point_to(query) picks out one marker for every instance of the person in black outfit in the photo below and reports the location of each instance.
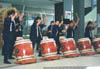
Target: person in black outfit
(64, 27)
(55, 34)
(36, 32)
(19, 27)
(9, 36)
(88, 30)
(50, 28)
(71, 27)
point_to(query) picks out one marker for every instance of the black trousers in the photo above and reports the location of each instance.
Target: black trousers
(9, 41)
(38, 44)
(58, 44)
(19, 34)
(8, 49)
(2, 50)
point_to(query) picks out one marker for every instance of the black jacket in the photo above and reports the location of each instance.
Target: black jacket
(50, 28)
(55, 31)
(36, 32)
(88, 32)
(9, 29)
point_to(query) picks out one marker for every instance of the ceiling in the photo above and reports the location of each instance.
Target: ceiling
(41, 4)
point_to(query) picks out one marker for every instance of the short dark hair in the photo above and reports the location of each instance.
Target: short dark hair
(52, 22)
(57, 20)
(90, 22)
(36, 19)
(11, 12)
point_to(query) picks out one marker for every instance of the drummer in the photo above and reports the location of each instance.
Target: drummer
(88, 30)
(50, 28)
(72, 26)
(36, 32)
(19, 28)
(64, 27)
(55, 34)
(9, 36)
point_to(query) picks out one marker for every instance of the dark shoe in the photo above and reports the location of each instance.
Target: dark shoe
(7, 62)
(59, 53)
(11, 58)
(40, 55)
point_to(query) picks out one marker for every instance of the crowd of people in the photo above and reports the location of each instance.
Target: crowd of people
(13, 29)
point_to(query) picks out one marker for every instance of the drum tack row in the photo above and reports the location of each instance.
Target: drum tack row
(25, 54)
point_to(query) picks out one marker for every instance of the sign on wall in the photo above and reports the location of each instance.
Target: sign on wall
(68, 15)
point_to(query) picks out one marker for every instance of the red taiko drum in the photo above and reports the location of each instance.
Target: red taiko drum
(96, 43)
(24, 51)
(48, 49)
(68, 48)
(85, 46)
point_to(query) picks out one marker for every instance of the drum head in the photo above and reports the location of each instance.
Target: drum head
(96, 39)
(19, 38)
(45, 37)
(83, 39)
(68, 39)
(22, 41)
(47, 40)
(62, 37)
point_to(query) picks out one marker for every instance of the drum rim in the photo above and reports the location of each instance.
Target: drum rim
(22, 42)
(96, 39)
(62, 37)
(68, 39)
(47, 40)
(19, 38)
(83, 39)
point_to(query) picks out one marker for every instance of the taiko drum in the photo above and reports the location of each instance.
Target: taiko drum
(48, 49)
(96, 43)
(68, 48)
(85, 46)
(24, 51)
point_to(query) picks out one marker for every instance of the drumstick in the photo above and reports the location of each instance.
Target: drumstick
(62, 18)
(23, 8)
(45, 13)
(41, 14)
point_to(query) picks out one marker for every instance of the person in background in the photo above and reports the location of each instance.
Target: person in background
(50, 28)
(9, 36)
(88, 30)
(19, 27)
(71, 27)
(64, 27)
(55, 34)
(36, 32)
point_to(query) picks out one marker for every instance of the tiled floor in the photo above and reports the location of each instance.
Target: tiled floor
(80, 62)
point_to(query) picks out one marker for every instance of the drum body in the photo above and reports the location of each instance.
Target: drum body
(68, 48)
(96, 43)
(48, 49)
(85, 46)
(24, 51)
